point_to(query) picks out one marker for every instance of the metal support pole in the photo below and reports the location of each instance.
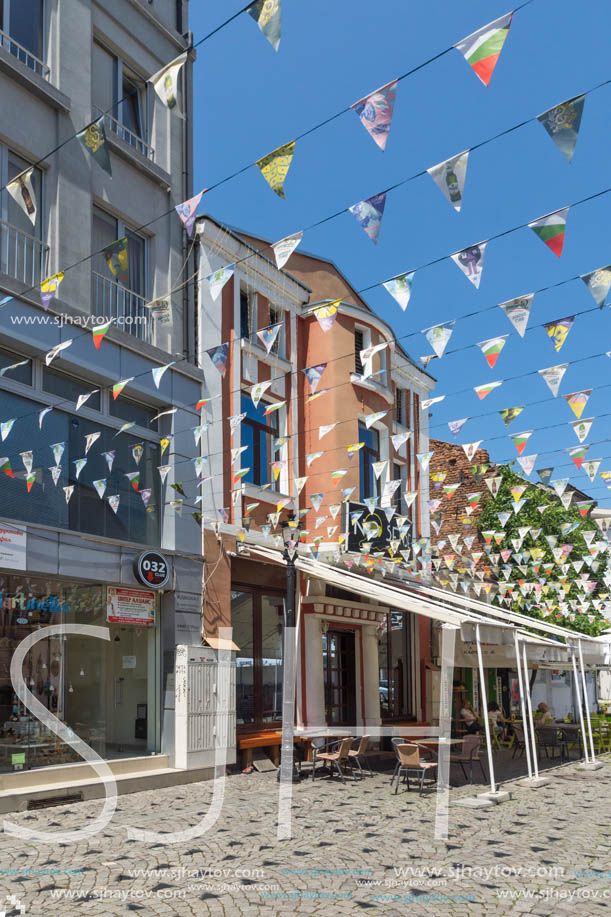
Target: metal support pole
(530, 713)
(585, 700)
(523, 705)
(578, 695)
(484, 704)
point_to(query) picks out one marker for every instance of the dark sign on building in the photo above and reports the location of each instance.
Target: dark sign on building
(373, 528)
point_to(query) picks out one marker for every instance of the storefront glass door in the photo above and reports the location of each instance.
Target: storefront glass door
(340, 677)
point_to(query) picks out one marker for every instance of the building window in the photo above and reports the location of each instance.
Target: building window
(399, 405)
(276, 316)
(141, 413)
(22, 254)
(257, 622)
(111, 298)
(67, 387)
(118, 93)
(394, 661)
(258, 434)
(358, 346)
(22, 24)
(398, 475)
(21, 374)
(246, 311)
(368, 454)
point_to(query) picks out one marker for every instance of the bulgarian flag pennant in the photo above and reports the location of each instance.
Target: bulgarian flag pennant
(491, 348)
(5, 466)
(119, 386)
(551, 229)
(482, 48)
(578, 454)
(483, 390)
(520, 440)
(450, 490)
(99, 331)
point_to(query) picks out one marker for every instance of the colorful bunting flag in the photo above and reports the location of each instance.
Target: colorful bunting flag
(369, 214)
(49, 287)
(27, 458)
(326, 315)
(158, 372)
(518, 312)
(217, 280)
(275, 166)
(90, 439)
(21, 189)
(323, 430)
(41, 416)
(545, 474)
(553, 376)
(125, 427)
(598, 283)
(117, 260)
(82, 399)
(109, 456)
(284, 248)
(353, 448)
(68, 491)
(161, 310)
(146, 496)
(438, 337)
(113, 502)
(449, 176)
(450, 490)
(370, 419)
(163, 472)
(274, 407)
(134, 479)
(50, 356)
(471, 262)
(423, 459)
(187, 211)
(268, 16)
(268, 335)
(591, 468)
(119, 386)
(551, 230)
(578, 454)
(491, 349)
(562, 123)
(527, 463)
(399, 439)
(510, 414)
(165, 83)
(375, 112)
(482, 48)
(79, 464)
(100, 487)
(558, 330)
(483, 390)
(5, 427)
(257, 391)
(577, 401)
(218, 355)
(164, 443)
(100, 331)
(55, 473)
(312, 456)
(471, 448)
(400, 288)
(457, 425)
(581, 428)
(93, 140)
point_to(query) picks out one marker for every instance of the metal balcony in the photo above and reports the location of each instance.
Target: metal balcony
(112, 300)
(22, 256)
(115, 127)
(26, 57)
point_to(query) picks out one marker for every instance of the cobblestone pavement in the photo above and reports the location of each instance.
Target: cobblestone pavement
(343, 836)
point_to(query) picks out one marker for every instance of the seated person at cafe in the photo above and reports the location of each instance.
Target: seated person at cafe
(543, 716)
(469, 717)
(496, 718)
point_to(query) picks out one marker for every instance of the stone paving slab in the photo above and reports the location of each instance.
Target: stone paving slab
(355, 847)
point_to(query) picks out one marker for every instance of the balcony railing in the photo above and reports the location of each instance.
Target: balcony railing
(22, 256)
(112, 124)
(26, 57)
(112, 300)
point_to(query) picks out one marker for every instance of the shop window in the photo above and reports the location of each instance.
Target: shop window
(368, 454)
(69, 388)
(258, 433)
(105, 691)
(394, 661)
(257, 622)
(85, 511)
(141, 413)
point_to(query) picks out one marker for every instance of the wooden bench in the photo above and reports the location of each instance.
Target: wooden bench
(267, 740)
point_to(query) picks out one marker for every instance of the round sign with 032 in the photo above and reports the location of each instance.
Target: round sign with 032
(152, 569)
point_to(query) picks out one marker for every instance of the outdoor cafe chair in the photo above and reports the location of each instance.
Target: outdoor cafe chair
(409, 762)
(550, 737)
(337, 758)
(468, 754)
(519, 742)
(355, 754)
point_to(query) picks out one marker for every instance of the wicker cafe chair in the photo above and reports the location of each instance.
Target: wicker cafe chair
(409, 762)
(355, 754)
(336, 758)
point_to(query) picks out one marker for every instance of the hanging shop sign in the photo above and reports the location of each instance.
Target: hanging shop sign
(12, 549)
(152, 569)
(374, 529)
(130, 606)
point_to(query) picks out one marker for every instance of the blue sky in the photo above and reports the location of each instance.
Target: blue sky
(250, 100)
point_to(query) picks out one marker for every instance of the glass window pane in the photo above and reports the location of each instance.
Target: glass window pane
(130, 108)
(130, 410)
(272, 617)
(136, 263)
(243, 636)
(69, 388)
(26, 24)
(15, 215)
(22, 373)
(104, 232)
(103, 81)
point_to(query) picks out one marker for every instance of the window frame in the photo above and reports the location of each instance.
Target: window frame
(5, 25)
(35, 232)
(121, 73)
(368, 452)
(277, 315)
(261, 429)
(123, 229)
(258, 594)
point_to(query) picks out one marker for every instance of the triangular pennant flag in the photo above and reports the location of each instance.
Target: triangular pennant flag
(119, 386)
(79, 464)
(493, 484)
(27, 458)
(137, 452)
(510, 414)
(268, 335)
(313, 374)
(90, 439)
(113, 502)
(353, 448)
(577, 401)
(471, 262)
(5, 427)
(110, 457)
(49, 287)
(438, 337)
(21, 189)
(258, 390)
(518, 312)
(375, 112)
(598, 283)
(323, 430)
(146, 495)
(399, 439)
(55, 473)
(218, 355)
(312, 456)
(100, 487)
(558, 330)
(163, 472)
(68, 491)
(367, 356)
(562, 123)
(591, 468)
(400, 288)
(41, 416)
(551, 230)
(491, 349)
(457, 425)
(100, 331)
(369, 214)
(370, 419)
(423, 459)
(5, 466)
(578, 454)
(165, 82)
(545, 474)
(482, 48)
(187, 212)
(284, 248)
(553, 376)
(158, 372)
(483, 390)
(268, 16)
(82, 399)
(527, 463)
(124, 427)
(273, 407)
(134, 479)
(117, 261)
(216, 282)
(450, 490)
(93, 140)
(6, 369)
(471, 448)
(326, 315)
(449, 176)
(275, 166)
(581, 428)
(50, 356)
(379, 468)
(164, 443)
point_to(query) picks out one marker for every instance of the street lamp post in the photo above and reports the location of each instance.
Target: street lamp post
(290, 537)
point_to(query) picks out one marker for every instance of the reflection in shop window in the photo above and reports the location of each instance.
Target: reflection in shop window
(257, 621)
(394, 651)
